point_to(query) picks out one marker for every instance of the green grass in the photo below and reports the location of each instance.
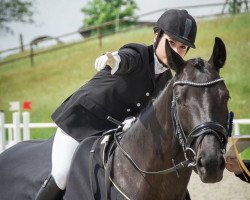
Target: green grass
(59, 73)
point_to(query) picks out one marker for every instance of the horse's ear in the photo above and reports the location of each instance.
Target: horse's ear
(219, 54)
(175, 61)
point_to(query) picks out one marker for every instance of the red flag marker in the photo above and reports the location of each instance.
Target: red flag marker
(27, 105)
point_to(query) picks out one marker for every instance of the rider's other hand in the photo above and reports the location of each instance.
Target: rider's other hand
(232, 165)
(128, 123)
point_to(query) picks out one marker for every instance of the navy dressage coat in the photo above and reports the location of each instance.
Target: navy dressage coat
(123, 94)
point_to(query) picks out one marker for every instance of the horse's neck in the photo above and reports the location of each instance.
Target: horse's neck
(153, 133)
(152, 145)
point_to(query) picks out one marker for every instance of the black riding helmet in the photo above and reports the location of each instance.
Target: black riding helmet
(179, 25)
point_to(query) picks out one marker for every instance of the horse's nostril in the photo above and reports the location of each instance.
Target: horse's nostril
(217, 162)
(222, 163)
(199, 162)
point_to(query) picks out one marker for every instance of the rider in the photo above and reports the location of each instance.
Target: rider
(127, 80)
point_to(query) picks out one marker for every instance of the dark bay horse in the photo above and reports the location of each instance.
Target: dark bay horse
(185, 128)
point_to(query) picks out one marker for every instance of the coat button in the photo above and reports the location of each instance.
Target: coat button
(128, 110)
(147, 94)
(138, 104)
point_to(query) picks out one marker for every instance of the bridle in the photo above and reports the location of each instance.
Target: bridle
(203, 129)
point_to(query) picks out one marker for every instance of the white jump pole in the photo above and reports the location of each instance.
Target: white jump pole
(2, 132)
(236, 129)
(16, 127)
(26, 128)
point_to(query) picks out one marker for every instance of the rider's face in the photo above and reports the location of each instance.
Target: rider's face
(177, 46)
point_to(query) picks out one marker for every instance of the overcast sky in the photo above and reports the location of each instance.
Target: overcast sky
(58, 17)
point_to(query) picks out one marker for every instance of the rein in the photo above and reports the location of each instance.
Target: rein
(118, 133)
(182, 164)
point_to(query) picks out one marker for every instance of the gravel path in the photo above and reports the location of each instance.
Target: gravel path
(230, 188)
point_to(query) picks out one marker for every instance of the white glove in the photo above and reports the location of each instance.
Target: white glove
(128, 123)
(105, 139)
(111, 59)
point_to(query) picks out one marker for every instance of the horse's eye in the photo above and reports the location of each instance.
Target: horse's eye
(181, 101)
(227, 98)
(178, 99)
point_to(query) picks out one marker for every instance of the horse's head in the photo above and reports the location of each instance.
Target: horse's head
(200, 110)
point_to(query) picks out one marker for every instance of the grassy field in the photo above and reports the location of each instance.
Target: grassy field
(57, 74)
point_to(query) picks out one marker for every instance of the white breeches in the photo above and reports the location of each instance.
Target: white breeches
(63, 150)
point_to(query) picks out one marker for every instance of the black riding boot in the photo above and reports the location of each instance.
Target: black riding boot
(49, 190)
(187, 196)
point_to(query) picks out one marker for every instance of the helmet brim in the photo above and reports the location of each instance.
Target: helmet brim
(180, 39)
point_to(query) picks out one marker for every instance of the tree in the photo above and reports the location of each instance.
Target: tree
(100, 11)
(15, 11)
(235, 6)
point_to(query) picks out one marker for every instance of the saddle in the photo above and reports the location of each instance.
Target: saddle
(107, 144)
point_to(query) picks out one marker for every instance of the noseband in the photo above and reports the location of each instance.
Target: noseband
(203, 129)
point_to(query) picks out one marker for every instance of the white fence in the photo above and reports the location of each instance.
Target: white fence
(237, 123)
(18, 131)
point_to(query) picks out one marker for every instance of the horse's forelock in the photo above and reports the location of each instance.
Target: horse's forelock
(198, 70)
(198, 63)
